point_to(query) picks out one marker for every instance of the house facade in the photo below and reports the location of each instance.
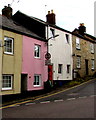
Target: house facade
(60, 48)
(83, 53)
(11, 63)
(34, 70)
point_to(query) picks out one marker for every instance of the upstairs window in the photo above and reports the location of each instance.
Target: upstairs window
(92, 47)
(67, 38)
(8, 48)
(77, 43)
(52, 32)
(92, 62)
(37, 51)
(60, 68)
(7, 82)
(78, 62)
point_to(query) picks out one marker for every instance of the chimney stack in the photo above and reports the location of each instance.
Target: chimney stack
(7, 11)
(50, 17)
(82, 29)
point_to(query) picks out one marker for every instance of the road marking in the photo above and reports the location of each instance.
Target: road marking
(71, 99)
(83, 97)
(58, 100)
(92, 95)
(45, 102)
(30, 103)
(15, 106)
(45, 96)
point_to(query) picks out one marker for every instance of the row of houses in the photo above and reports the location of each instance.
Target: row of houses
(33, 52)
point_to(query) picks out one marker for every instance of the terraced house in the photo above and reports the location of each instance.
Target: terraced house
(59, 46)
(83, 53)
(22, 65)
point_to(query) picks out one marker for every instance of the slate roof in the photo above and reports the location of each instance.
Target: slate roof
(19, 13)
(85, 36)
(13, 26)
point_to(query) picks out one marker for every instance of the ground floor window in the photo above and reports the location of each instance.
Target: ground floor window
(7, 82)
(37, 80)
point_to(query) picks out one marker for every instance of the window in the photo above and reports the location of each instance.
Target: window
(52, 32)
(92, 47)
(37, 80)
(78, 61)
(7, 82)
(67, 38)
(77, 43)
(60, 68)
(92, 61)
(68, 68)
(37, 51)
(8, 48)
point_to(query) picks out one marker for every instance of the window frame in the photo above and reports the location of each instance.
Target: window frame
(36, 55)
(68, 68)
(60, 66)
(92, 64)
(92, 47)
(37, 75)
(67, 38)
(52, 32)
(78, 43)
(7, 88)
(78, 62)
(5, 47)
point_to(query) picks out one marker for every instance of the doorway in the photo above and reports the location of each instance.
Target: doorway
(23, 82)
(86, 67)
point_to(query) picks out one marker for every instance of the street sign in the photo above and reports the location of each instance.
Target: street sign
(47, 56)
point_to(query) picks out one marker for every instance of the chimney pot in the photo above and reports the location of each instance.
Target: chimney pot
(82, 29)
(51, 17)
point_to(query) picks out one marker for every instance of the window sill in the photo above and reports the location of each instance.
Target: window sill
(8, 53)
(5, 89)
(37, 85)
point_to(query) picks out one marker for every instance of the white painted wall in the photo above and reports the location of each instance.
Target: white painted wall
(61, 53)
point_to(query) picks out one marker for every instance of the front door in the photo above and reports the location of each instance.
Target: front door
(86, 66)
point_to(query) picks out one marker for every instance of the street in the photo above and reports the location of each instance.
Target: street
(78, 102)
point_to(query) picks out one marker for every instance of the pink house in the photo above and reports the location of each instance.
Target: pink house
(34, 70)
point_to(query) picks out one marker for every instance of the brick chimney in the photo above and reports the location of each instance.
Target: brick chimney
(82, 29)
(7, 11)
(50, 17)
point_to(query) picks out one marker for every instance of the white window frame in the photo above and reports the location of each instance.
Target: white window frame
(36, 51)
(7, 88)
(6, 47)
(37, 75)
(93, 64)
(92, 47)
(77, 43)
(78, 62)
(60, 66)
(67, 38)
(52, 32)
(68, 69)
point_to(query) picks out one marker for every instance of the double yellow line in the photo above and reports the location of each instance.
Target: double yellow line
(43, 96)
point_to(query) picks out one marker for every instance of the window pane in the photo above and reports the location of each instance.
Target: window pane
(8, 45)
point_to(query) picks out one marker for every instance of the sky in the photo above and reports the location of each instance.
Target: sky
(69, 13)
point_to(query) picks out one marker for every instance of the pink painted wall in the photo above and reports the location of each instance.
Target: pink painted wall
(32, 65)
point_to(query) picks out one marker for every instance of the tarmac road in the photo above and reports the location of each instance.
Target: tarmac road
(78, 102)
